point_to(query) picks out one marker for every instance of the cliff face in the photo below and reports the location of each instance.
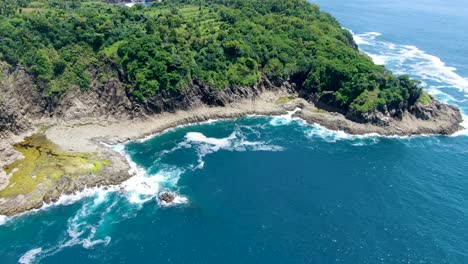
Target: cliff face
(21, 104)
(12, 122)
(109, 98)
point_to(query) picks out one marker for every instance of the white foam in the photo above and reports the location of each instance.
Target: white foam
(236, 141)
(286, 119)
(438, 92)
(67, 199)
(3, 219)
(217, 143)
(140, 189)
(178, 199)
(365, 38)
(80, 230)
(464, 124)
(408, 59)
(87, 243)
(331, 136)
(209, 121)
(30, 256)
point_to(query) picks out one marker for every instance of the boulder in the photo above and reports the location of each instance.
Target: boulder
(166, 197)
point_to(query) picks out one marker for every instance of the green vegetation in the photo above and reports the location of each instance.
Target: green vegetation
(159, 50)
(43, 163)
(425, 99)
(318, 110)
(285, 99)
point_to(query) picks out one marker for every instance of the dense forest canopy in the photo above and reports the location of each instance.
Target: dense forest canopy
(158, 50)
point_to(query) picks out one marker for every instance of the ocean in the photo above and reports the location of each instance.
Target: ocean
(264, 189)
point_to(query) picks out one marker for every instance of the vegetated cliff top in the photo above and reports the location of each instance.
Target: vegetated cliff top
(158, 50)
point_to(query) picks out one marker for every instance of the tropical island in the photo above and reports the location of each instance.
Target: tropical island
(79, 73)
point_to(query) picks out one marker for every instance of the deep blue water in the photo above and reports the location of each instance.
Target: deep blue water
(275, 190)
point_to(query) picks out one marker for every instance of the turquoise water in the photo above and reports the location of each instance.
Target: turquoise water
(275, 190)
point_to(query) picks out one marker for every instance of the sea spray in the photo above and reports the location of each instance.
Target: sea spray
(3, 219)
(141, 187)
(285, 119)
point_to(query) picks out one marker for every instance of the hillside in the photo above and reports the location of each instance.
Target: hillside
(79, 76)
(139, 60)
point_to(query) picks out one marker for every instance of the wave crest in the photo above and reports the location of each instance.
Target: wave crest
(409, 59)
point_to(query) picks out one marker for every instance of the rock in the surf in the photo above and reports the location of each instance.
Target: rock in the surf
(166, 197)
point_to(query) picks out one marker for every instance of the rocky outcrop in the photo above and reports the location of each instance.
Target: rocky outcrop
(11, 122)
(166, 197)
(50, 191)
(444, 121)
(109, 98)
(19, 101)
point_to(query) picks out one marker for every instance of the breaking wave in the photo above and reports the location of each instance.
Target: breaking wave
(286, 119)
(101, 205)
(408, 59)
(439, 79)
(331, 136)
(3, 219)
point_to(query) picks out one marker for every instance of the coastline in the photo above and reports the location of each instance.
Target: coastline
(95, 136)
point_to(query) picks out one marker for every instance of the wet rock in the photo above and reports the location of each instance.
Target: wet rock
(166, 197)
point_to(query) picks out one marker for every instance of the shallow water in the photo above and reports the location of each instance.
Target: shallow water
(273, 189)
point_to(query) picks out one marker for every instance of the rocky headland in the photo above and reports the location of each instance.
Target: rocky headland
(82, 125)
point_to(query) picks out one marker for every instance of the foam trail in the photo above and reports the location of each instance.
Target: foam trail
(331, 136)
(81, 229)
(217, 142)
(236, 141)
(67, 199)
(408, 59)
(30, 256)
(363, 39)
(149, 137)
(435, 91)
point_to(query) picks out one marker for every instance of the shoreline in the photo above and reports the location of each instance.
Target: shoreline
(95, 136)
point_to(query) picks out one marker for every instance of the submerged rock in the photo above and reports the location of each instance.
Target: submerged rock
(166, 197)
